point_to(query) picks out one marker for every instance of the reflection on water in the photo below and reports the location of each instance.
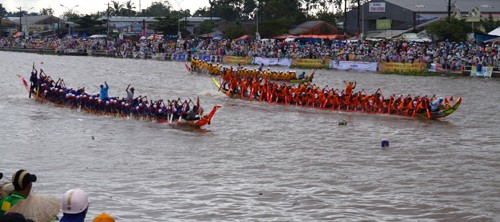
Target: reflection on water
(256, 161)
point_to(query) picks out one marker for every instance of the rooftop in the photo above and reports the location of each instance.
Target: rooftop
(442, 5)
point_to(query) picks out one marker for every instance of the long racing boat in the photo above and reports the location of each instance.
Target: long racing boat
(60, 95)
(409, 112)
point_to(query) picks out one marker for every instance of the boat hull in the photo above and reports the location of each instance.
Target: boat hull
(431, 115)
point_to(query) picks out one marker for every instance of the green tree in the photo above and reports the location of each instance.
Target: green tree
(453, 30)
(90, 24)
(116, 8)
(235, 32)
(167, 24)
(128, 8)
(3, 12)
(490, 24)
(329, 17)
(46, 11)
(157, 9)
(207, 27)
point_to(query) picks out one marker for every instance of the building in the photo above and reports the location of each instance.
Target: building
(7, 27)
(193, 24)
(388, 18)
(314, 28)
(40, 24)
(130, 25)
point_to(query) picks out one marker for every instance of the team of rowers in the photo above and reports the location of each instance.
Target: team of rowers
(45, 88)
(260, 89)
(205, 67)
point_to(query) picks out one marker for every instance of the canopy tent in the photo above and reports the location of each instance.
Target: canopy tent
(245, 37)
(17, 34)
(495, 32)
(212, 35)
(325, 37)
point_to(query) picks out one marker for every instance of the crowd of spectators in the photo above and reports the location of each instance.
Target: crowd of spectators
(451, 55)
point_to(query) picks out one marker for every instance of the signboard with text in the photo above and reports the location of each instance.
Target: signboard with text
(383, 24)
(377, 7)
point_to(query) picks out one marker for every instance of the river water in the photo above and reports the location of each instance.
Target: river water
(256, 161)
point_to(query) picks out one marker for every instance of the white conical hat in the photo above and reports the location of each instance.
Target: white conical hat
(39, 208)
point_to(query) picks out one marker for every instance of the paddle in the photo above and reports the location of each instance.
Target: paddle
(31, 83)
(427, 109)
(198, 105)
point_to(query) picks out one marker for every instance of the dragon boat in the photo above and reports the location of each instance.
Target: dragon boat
(409, 113)
(116, 108)
(273, 77)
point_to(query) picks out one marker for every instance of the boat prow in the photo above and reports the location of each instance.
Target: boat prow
(195, 123)
(442, 113)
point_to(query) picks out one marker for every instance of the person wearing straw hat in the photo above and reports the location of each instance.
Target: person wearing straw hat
(22, 181)
(75, 204)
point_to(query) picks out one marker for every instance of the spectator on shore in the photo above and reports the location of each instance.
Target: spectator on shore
(22, 181)
(14, 217)
(75, 205)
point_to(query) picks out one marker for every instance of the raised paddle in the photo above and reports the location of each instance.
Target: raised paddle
(31, 83)
(427, 109)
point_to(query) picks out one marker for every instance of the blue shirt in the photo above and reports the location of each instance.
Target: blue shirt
(103, 94)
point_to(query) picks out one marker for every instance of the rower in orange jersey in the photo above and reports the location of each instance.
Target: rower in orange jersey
(349, 87)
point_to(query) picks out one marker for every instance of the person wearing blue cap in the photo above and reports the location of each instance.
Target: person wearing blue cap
(22, 181)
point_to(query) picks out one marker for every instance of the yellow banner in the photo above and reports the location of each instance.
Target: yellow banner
(309, 63)
(237, 60)
(400, 67)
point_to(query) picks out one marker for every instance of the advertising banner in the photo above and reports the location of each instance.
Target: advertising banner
(436, 67)
(309, 63)
(179, 57)
(400, 67)
(484, 72)
(237, 60)
(272, 61)
(383, 24)
(376, 7)
(351, 65)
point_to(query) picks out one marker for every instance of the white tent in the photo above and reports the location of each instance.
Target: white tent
(495, 32)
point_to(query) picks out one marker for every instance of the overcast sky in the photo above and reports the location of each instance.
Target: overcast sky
(91, 6)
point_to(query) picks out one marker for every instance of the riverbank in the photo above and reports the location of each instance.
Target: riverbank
(310, 64)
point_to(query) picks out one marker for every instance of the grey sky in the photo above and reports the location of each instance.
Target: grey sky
(91, 6)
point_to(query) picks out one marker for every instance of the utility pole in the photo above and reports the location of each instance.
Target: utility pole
(20, 21)
(257, 35)
(107, 26)
(449, 10)
(359, 16)
(345, 17)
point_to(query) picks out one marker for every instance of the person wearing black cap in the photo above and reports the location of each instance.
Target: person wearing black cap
(22, 181)
(14, 217)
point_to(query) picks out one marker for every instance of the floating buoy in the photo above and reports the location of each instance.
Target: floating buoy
(385, 143)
